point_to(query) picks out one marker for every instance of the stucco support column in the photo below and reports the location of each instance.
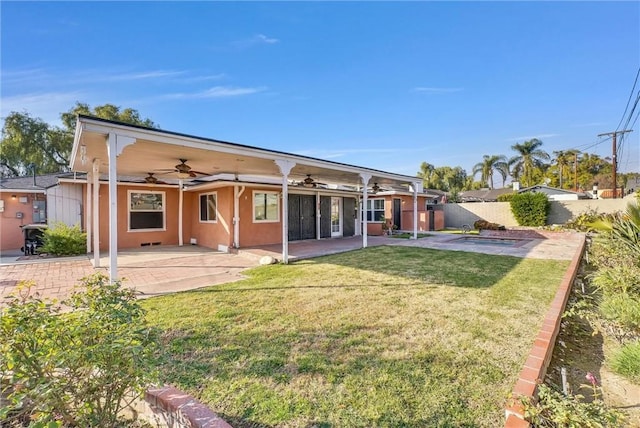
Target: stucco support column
(236, 209)
(285, 168)
(95, 188)
(115, 146)
(416, 187)
(88, 210)
(365, 183)
(180, 209)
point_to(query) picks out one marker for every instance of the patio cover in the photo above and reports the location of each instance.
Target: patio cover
(107, 147)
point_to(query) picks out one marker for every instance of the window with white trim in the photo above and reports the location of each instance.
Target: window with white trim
(208, 208)
(375, 209)
(266, 207)
(146, 210)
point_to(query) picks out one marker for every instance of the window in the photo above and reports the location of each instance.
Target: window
(266, 207)
(208, 208)
(146, 210)
(375, 209)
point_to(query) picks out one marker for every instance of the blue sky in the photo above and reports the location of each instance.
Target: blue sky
(385, 85)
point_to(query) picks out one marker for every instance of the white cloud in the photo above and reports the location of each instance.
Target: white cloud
(217, 92)
(530, 137)
(45, 105)
(258, 39)
(435, 90)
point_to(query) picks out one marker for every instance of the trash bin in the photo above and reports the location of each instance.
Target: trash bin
(33, 238)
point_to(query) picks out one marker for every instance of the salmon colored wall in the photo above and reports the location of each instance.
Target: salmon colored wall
(11, 236)
(406, 223)
(257, 233)
(423, 220)
(128, 239)
(211, 235)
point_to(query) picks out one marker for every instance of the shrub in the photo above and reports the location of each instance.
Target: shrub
(554, 409)
(623, 309)
(78, 368)
(506, 197)
(627, 361)
(530, 209)
(623, 226)
(618, 279)
(487, 225)
(64, 240)
(582, 222)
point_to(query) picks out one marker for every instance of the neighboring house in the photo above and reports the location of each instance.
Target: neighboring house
(37, 200)
(218, 194)
(483, 195)
(555, 194)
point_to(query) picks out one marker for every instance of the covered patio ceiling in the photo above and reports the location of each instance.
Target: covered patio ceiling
(156, 151)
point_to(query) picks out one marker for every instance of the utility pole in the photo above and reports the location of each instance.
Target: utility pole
(615, 158)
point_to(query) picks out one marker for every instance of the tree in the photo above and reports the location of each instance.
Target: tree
(29, 142)
(443, 178)
(529, 161)
(564, 160)
(488, 165)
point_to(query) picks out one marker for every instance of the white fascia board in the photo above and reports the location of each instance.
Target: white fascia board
(225, 147)
(76, 143)
(43, 191)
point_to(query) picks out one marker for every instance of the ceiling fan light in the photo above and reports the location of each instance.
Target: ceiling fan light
(184, 175)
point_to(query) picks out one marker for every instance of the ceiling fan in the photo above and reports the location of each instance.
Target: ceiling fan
(375, 188)
(309, 182)
(183, 170)
(150, 179)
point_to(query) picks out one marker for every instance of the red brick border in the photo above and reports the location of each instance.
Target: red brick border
(535, 368)
(181, 409)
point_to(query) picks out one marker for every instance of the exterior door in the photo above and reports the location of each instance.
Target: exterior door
(302, 217)
(325, 217)
(348, 216)
(336, 216)
(397, 213)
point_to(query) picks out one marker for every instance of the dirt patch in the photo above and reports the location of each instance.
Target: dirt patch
(580, 349)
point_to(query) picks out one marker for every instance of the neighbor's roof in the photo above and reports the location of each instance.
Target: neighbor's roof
(30, 184)
(484, 195)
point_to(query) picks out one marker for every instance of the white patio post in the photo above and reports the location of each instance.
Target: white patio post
(88, 210)
(115, 145)
(416, 185)
(96, 212)
(318, 214)
(365, 181)
(180, 206)
(285, 168)
(236, 209)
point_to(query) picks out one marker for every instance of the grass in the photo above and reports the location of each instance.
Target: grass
(407, 235)
(626, 361)
(460, 231)
(385, 336)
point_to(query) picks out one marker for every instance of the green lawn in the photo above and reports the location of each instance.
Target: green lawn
(386, 336)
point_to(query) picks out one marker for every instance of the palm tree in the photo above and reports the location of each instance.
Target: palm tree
(565, 159)
(529, 158)
(486, 167)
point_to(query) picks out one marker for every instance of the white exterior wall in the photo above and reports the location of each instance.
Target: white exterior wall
(64, 203)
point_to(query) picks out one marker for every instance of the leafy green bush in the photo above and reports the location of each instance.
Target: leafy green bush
(618, 279)
(77, 368)
(506, 197)
(64, 240)
(627, 361)
(623, 226)
(554, 409)
(606, 252)
(622, 309)
(530, 209)
(582, 222)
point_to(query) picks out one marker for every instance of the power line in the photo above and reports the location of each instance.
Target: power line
(629, 100)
